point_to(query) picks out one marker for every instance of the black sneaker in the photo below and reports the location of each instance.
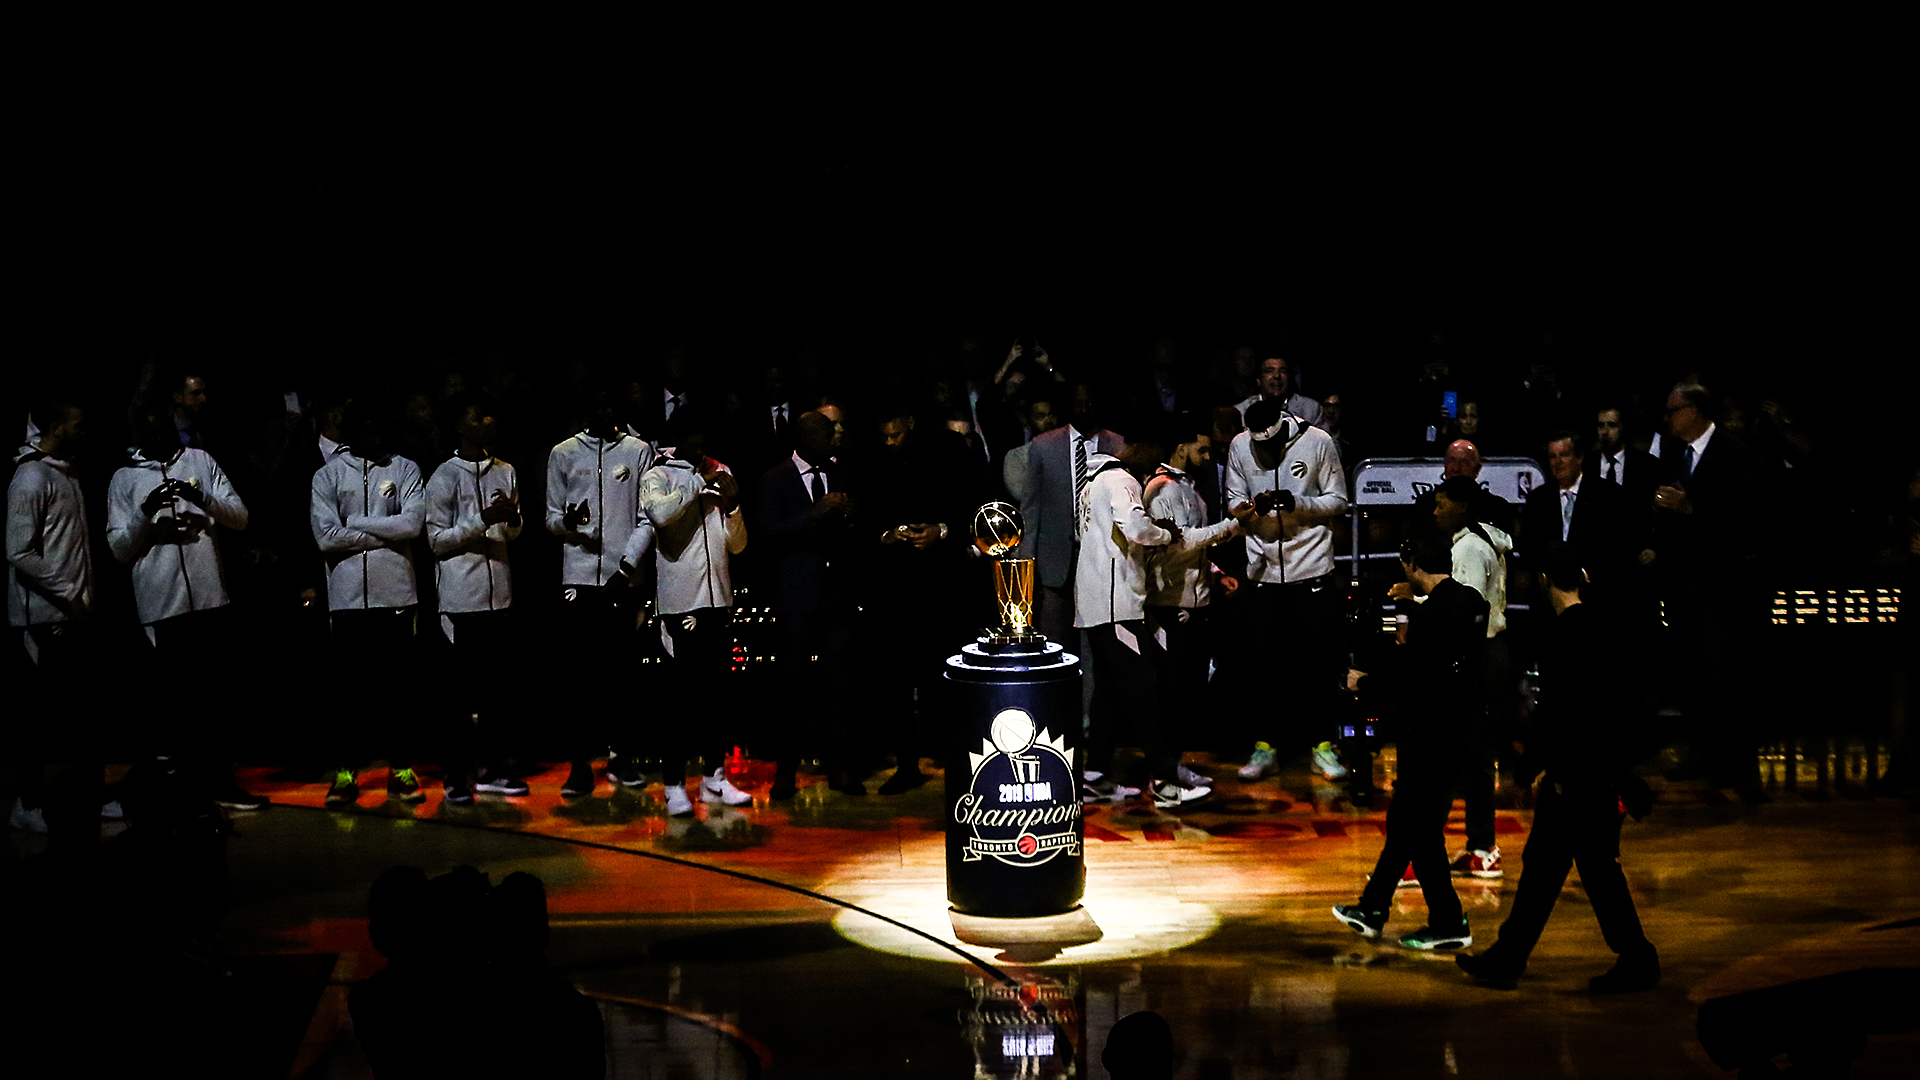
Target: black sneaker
(501, 785)
(402, 784)
(626, 772)
(345, 789)
(1367, 924)
(903, 780)
(1630, 974)
(579, 781)
(1491, 968)
(235, 797)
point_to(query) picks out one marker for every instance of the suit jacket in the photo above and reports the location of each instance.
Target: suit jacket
(1602, 530)
(1049, 509)
(812, 557)
(1724, 489)
(1643, 475)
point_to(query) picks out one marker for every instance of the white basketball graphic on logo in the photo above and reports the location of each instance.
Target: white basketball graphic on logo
(1012, 731)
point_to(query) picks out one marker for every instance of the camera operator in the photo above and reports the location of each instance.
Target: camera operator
(1440, 680)
(1579, 741)
(1284, 483)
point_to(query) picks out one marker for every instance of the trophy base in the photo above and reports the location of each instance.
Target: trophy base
(997, 639)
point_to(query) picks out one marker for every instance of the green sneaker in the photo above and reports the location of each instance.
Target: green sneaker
(345, 789)
(1260, 763)
(1428, 939)
(405, 786)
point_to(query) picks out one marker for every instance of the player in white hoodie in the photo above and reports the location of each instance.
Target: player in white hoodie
(368, 506)
(162, 510)
(693, 504)
(593, 506)
(473, 511)
(1180, 575)
(1110, 595)
(49, 597)
(1285, 483)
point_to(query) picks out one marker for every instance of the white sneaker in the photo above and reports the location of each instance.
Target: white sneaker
(1193, 779)
(112, 811)
(678, 805)
(1327, 760)
(1166, 795)
(34, 820)
(1098, 788)
(1258, 765)
(717, 788)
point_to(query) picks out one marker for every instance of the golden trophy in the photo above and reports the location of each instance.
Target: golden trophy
(996, 532)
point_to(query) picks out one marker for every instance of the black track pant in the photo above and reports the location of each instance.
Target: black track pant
(1126, 697)
(377, 703)
(600, 650)
(699, 692)
(474, 672)
(1572, 827)
(1416, 836)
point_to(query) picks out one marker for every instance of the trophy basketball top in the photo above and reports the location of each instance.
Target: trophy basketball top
(997, 528)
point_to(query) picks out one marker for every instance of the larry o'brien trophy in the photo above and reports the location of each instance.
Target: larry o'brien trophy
(1015, 836)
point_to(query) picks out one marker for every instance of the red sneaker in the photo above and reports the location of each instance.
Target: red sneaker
(1480, 864)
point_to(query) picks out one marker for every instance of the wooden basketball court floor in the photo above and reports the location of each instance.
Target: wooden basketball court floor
(812, 938)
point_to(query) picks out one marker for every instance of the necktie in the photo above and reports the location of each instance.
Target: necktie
(816, 485)
(1612, 465)
(1079, 484)
(779, 419)
(1689, 450)
(1566, 513)
(672, 404)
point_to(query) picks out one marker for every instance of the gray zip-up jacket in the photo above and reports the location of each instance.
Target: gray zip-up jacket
(1110, 580)
(49, 558)
(691, 547)
(605, 474)
(183, 574)
(1180, 574)
(365, 516)
(470, 556)
(1310, 468)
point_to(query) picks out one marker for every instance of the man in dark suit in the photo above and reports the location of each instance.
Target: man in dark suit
(1057, 477)
(916, 516)
(1576, 740)
(805, 518)
(1705, 539)
(1636, 471)
(1582, 511)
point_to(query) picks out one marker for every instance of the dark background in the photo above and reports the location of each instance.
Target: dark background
(1626, 217)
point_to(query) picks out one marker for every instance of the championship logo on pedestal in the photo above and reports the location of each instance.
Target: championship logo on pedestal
(1022, 805)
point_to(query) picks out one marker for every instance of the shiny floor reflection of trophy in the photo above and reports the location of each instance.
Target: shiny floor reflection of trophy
(996, 532)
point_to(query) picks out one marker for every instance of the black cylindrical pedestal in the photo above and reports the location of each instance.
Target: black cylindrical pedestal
(1014, 830)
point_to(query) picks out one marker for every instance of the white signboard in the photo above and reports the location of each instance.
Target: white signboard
(1399, 481)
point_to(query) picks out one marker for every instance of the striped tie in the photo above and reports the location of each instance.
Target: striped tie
(1079, 485)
